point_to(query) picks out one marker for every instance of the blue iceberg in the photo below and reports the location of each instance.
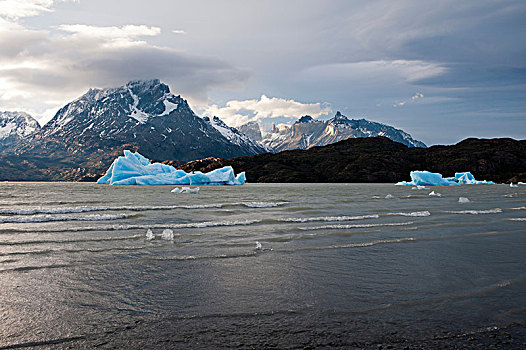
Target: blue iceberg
(427, 178)
(135, 169)
(468, 179)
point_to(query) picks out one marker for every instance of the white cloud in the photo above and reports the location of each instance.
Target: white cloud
(237, 113)
(15, 9)
(111, 36)
(413, 98)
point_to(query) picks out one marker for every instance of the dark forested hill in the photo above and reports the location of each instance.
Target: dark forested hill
(378, 159)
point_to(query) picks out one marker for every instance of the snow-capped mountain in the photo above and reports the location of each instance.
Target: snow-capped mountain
(16, 125)
(142, 115)
(237, 137)
(308, 132)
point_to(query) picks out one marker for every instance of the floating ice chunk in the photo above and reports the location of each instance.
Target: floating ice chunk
(149, 235)
(389, 196)
(463, 200)
(134, 169)
(185, 190)
(518, 183)
(436, 194)
(259, 246)
(468, 179)
(168, 234)
(512, 185)
(427, 178)
(418, 187)
(194, 190)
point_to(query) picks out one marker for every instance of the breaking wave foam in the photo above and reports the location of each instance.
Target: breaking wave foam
(330, 218)
(51, 218)
(146, 226)
(86, 209)
(336, 227)
(414, 213)
(477, 212)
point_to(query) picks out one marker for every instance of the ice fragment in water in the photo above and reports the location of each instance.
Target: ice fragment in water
(389, 196)
(168, 234)
(185, 190)
(191, 190)
(427, 178)
(134, 169)
(259, 246)
(463, 200)
(512, 185)
(149, 235)
(436, 194)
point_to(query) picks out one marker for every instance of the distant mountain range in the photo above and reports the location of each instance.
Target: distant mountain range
(85, 135)
(308, 132)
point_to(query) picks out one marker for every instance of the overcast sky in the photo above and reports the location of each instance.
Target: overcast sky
(440, 70)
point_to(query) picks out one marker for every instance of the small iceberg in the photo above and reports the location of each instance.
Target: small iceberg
(194, 190)
(134, 169)
(463, 200)
(389, 196)
(149, 235)
(435, 194)
(168, 235)
(512, 185)
(259, 246)
(426, 178)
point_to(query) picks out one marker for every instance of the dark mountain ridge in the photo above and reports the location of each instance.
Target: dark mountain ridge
(379, 159)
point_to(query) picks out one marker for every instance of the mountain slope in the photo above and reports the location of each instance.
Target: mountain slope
(86, 134)
(15, 126)
(308, 132)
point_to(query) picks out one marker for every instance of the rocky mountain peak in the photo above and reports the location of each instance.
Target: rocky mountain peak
(305, 119)
(16, 125)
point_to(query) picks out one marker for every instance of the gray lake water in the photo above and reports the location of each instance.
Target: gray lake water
(338, 264)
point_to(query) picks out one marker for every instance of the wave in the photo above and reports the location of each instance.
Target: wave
(414, 213)
(262, 204)
(330, 218)
(142, 226)
(477, 212)
(52, 218)
(340, 227)
(86, 209)
(69, 241)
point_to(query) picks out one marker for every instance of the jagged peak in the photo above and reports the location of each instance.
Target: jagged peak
(305, 119)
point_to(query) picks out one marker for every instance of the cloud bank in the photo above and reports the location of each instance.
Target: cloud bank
(266, 110)
(40, 70)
